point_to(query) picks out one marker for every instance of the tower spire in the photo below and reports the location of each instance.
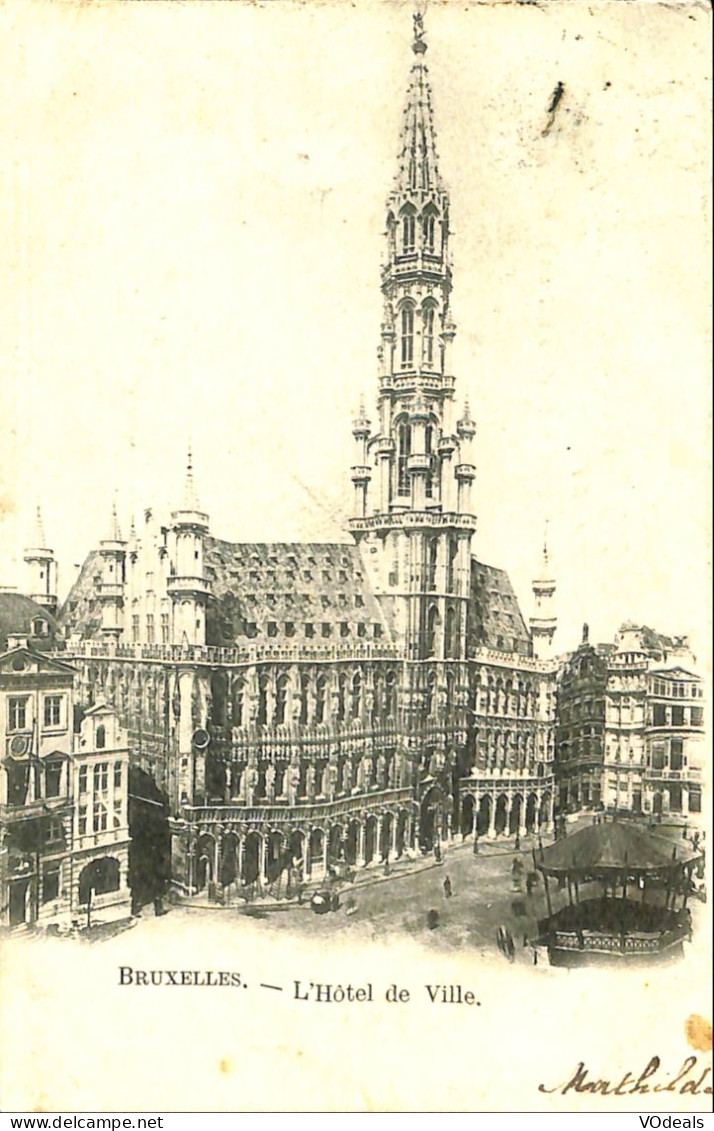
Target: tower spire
(190, 497)
(412, 474)
(39, 540)
(418, 169)
(544, 623)
(41, 567)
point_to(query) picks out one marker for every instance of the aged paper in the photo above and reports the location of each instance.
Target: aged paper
(192, 233)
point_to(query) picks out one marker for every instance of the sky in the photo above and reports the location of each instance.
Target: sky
(193, 206)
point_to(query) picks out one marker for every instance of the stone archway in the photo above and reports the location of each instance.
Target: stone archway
(501, 817)
(402, 831)
(204, 855)
(316, 843)
(370, 839)
(297, 846)
(274, 855)
(544, 814)
(385, 840)
(334, 849)
(531, 811)
(483, 816)
(468, 808)
(351, 844)
(431, 818)
(514, 817)
(228, 866)
(251, 858)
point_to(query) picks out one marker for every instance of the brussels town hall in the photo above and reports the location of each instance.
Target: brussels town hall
(303, 705)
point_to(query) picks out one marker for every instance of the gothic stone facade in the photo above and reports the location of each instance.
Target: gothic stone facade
(351, 701)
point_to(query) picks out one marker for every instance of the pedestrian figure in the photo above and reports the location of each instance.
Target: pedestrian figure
(437, 852)
(510, 946)
(518, 841)
(432, 919)
(535, 956)
(530, 882)
(447, 887)
(501, 940)
(476, 844)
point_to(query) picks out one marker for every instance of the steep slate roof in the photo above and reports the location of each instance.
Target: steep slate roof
(495, 619)
(257, 584)
(82, 611)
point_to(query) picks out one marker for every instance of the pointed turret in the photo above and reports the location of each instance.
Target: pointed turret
(544, 623)
(41, 569)
(187, 586)
(112, 552)
(361, 473)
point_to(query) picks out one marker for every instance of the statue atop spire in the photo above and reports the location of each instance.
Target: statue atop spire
(419, 43)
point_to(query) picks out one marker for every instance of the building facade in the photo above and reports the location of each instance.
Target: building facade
(630, 719)
(306, 704)
(63, 797)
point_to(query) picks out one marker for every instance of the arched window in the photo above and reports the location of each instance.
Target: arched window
(390, 695)
(377, 698)
(320, 698)
(304, 698)
(238, 693)
(429, 451)
(450, 571)
(450, 691)
(407, 336)
(451, 648)
(408, 233)
(341, 697)
(433, 555)
(429, 229)
(430, 693)
(281, 698)
(428, 336)
(404, 447)
(356, 695)
(432, 626)
(101, 737)
(263, 683)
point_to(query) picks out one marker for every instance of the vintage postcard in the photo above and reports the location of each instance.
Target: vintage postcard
(355, 557)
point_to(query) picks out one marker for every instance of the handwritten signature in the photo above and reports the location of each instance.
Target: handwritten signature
(691, 1080)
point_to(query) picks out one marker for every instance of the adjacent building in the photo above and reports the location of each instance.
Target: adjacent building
(630, 718)
(63, 787)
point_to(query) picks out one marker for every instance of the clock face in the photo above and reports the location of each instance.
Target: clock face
(200, 739)
(19, 745)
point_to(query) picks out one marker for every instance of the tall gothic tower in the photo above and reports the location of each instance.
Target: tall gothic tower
(413, 473)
